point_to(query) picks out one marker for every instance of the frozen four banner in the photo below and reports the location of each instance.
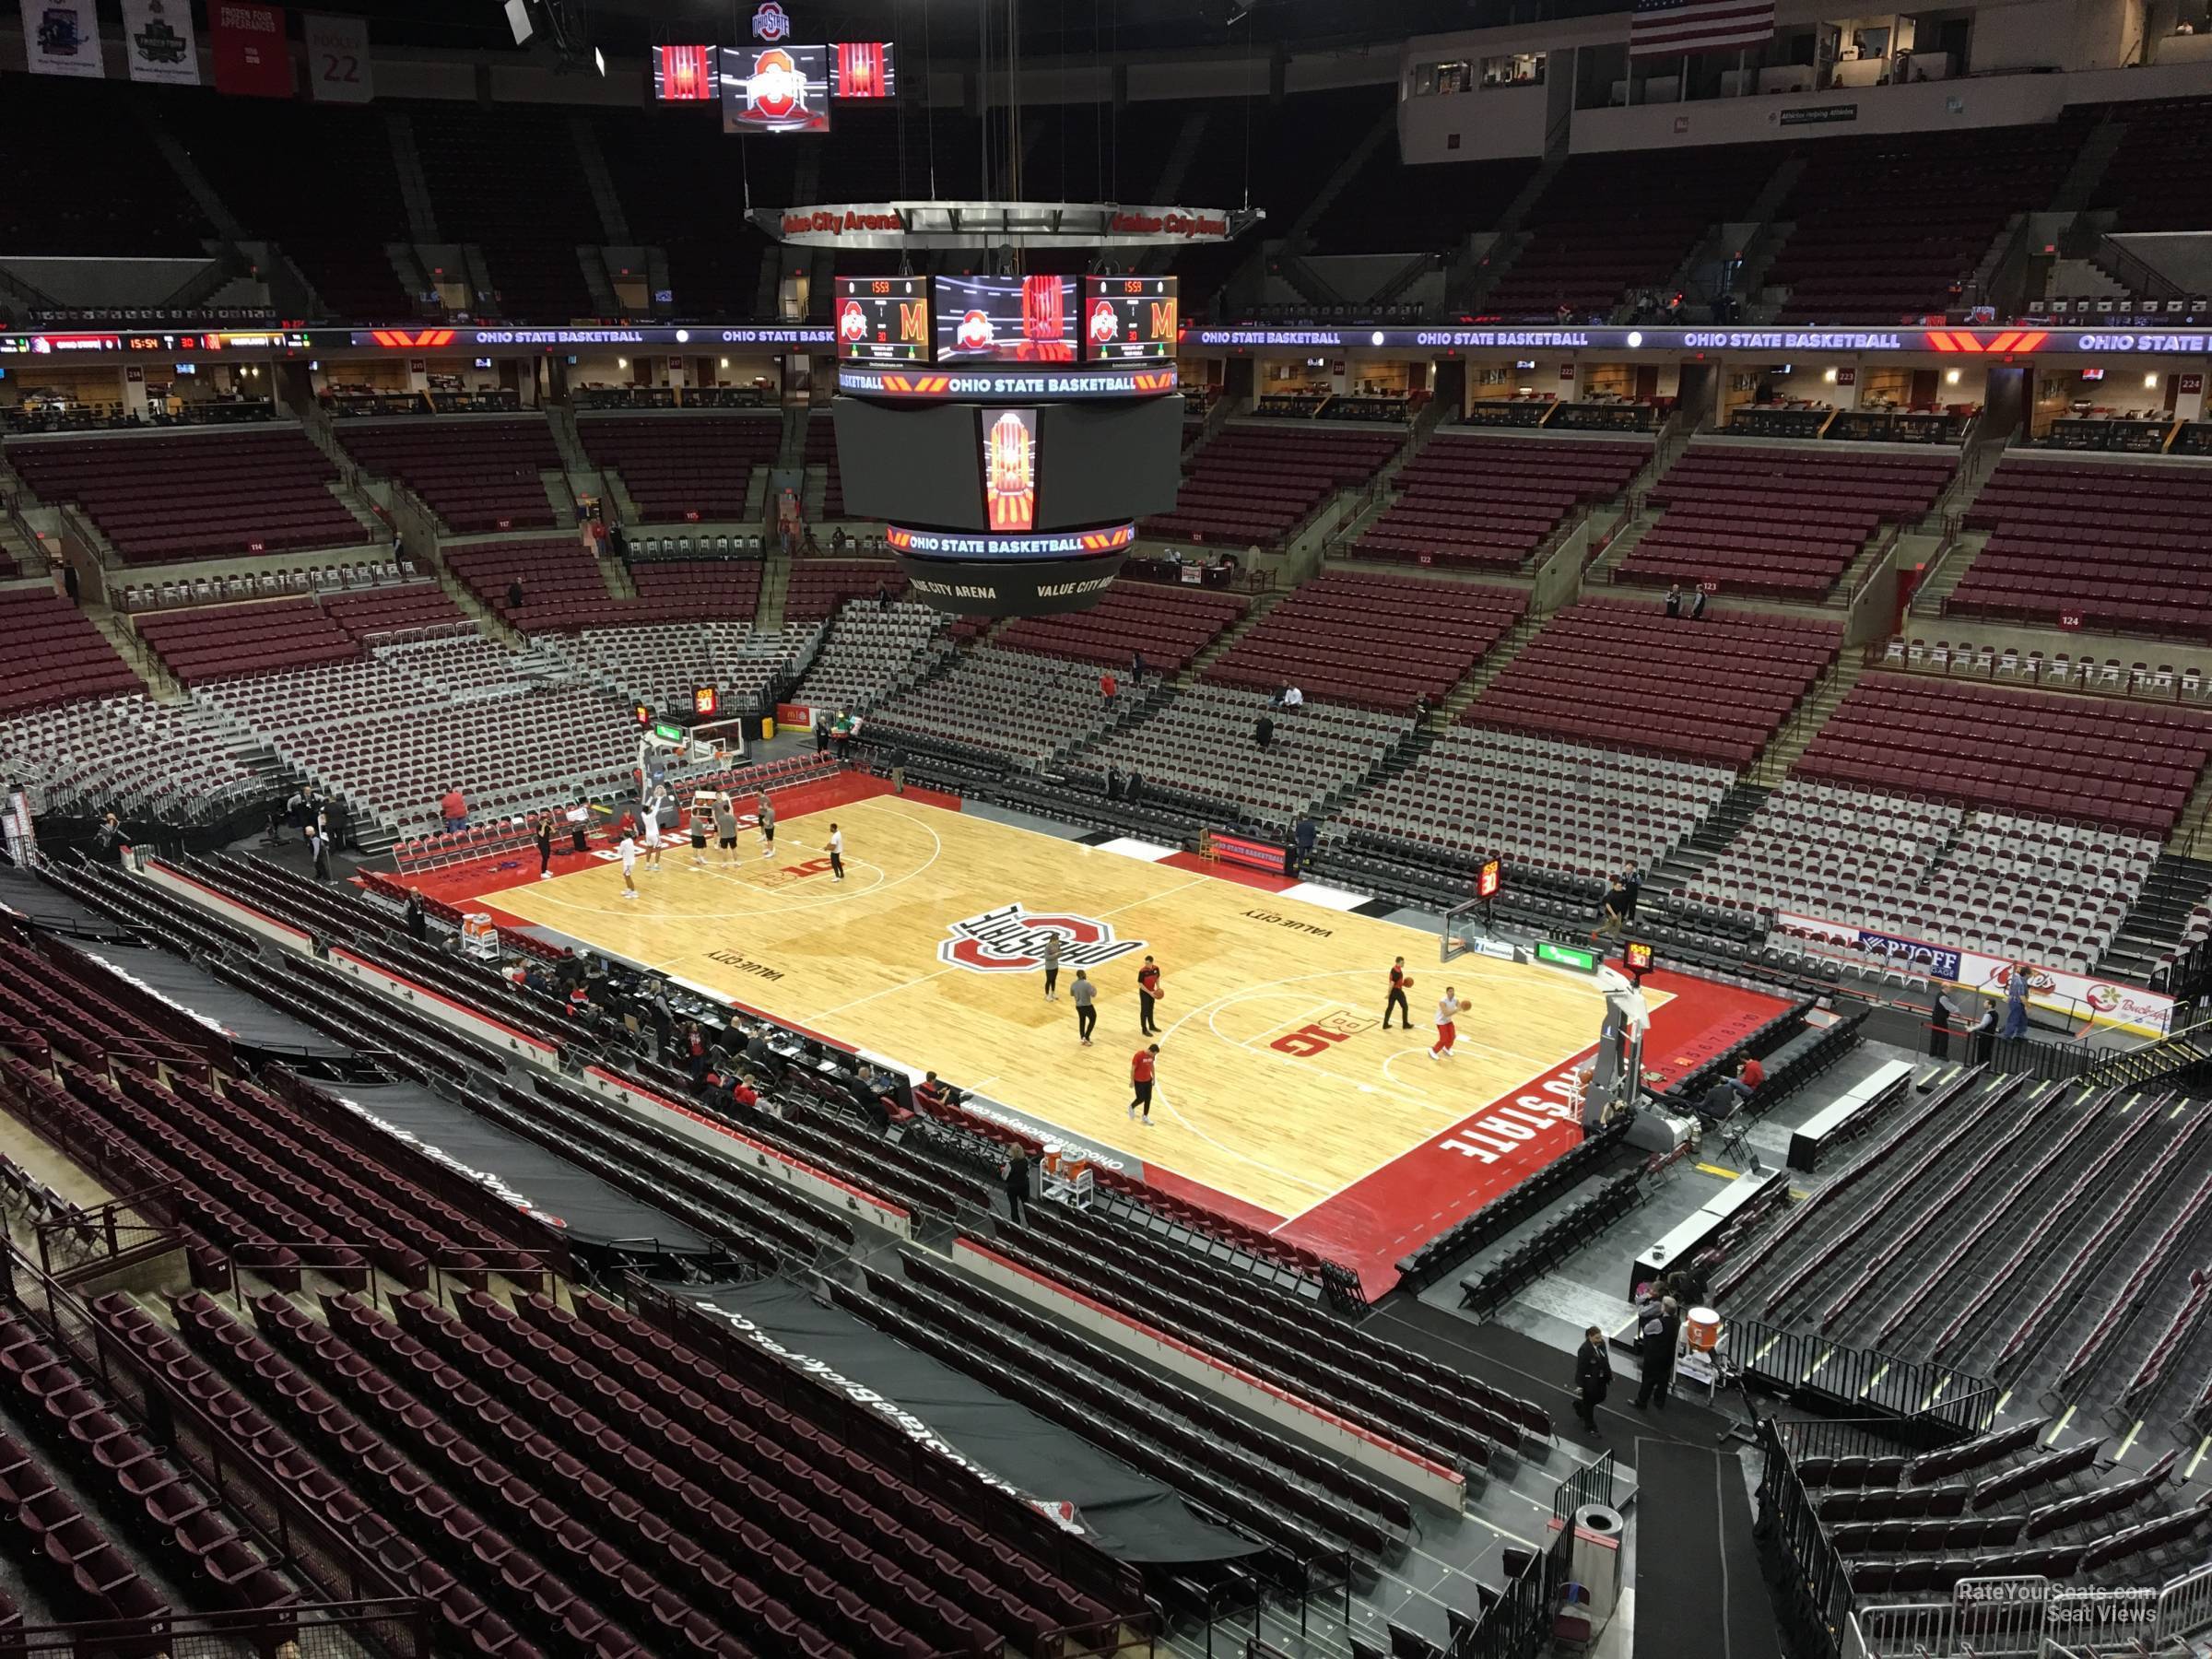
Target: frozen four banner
(158, 42)
(62, 37)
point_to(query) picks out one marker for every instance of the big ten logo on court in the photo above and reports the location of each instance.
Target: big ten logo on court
(1322, 1035)
(1012, 941)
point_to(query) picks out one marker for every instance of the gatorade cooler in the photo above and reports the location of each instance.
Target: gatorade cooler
(479, 935)
(1702, 1331)
(768, 727)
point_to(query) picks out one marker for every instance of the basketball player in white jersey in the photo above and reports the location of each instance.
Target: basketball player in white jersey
(836, 854)
(630, 864)
(1447, 1011)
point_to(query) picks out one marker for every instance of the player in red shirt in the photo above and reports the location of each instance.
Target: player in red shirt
(1399, 979)
(1147, 992)
(1141, 1065)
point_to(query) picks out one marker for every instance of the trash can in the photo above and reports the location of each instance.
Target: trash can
(768, 727)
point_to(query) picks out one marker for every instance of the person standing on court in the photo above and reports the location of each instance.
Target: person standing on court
(1052, 966)
(725, 828)
(1657, 1328)
(629, 864)
(766, 816)
(651, 817)
(1141, 1066)
(544, 846)
(1447, 1032)
(1148, 993)
(1084, 993)
(1398, 981)
(1593, 1376)
(836, 854)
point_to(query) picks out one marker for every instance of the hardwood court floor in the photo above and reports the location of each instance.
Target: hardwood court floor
(1276, 1084)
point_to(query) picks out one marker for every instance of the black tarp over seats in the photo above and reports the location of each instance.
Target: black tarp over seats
(1127, 1514)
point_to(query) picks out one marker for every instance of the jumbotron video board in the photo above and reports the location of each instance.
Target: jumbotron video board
(959, 322)
(883, 320)
(1005, 319)
(1128, 319)
(1010, 432)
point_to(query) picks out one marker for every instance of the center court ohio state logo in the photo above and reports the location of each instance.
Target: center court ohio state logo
(1012, 941)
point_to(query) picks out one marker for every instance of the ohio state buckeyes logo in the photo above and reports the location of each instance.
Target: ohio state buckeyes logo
(1012, 941)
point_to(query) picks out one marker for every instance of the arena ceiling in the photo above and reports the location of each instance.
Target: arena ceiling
(1050, 29)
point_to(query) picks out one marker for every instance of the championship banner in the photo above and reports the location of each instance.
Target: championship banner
(252, 57)
(158, 42)
(337, 59)
(62, 37)
(2076, 995)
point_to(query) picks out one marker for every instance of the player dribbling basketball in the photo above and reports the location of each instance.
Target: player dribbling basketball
(1400, 982)
(1447, 1032)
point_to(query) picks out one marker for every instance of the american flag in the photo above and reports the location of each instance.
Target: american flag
(1676, 28)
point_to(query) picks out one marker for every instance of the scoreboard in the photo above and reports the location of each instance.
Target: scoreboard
(883, 319)
(1010, 430)
(1128, 319)
(956, 322)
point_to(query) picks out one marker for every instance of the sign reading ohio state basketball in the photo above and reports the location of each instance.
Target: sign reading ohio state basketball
(1012, 941)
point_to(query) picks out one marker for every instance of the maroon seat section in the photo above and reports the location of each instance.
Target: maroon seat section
(1488, 504)
(1782, 522)
(562, 589)
(272, 160)
(2121, 547)
(682, 468)
(1888, 229)
(1625, 220)
(477, 473)
(1256, 483)
(222, 642)
(818, 586)
(1376, 641)
(1619, 673)
(693, 590)
(2109, 762)
(54, 655)
(165, 497)
(1169, 626)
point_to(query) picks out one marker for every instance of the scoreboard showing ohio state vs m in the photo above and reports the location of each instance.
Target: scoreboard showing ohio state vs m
(1128, 318)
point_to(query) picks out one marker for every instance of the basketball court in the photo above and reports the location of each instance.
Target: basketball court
(1280, 1096)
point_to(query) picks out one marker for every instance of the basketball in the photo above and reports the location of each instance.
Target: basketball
(1408, 981)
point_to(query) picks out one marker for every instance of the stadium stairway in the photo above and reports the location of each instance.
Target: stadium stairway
(1951, 569)
(1261, 604)
(2184, 1051)
(1446, 713)
(559, 496)
(1798, 732)
(1688, 860)
(775, 588)
(160, 685)
(2176, 886)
